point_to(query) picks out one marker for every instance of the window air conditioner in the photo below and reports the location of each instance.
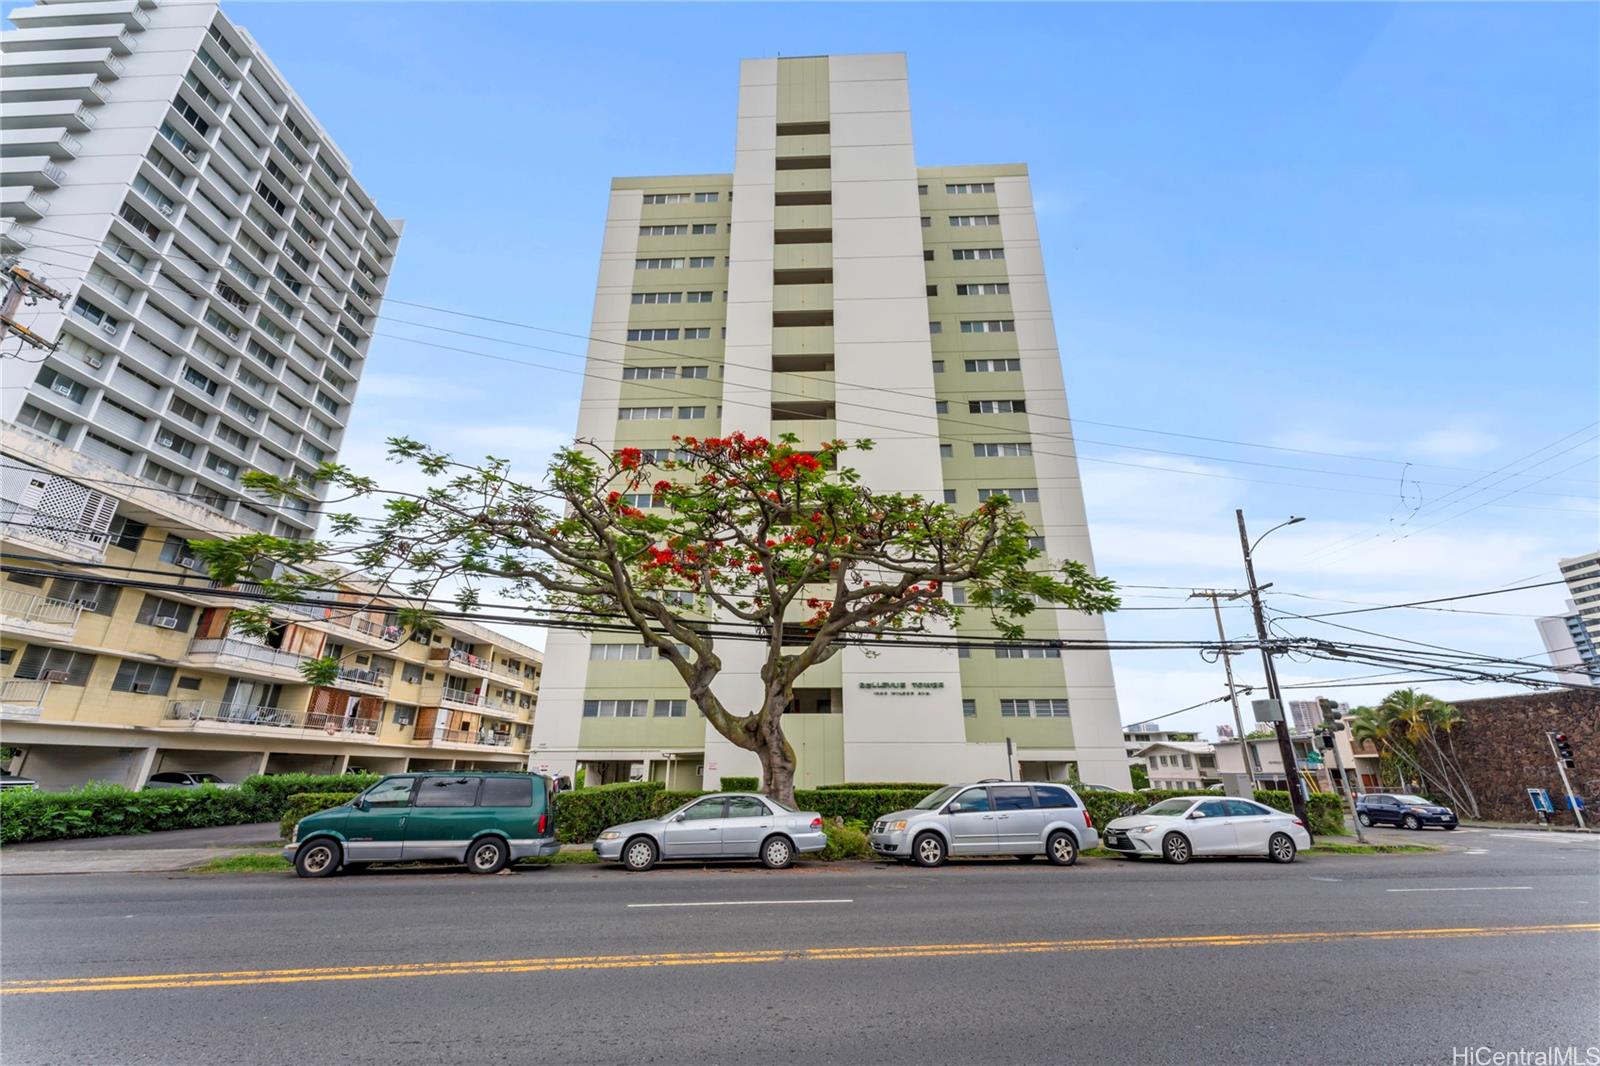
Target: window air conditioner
(191, 155)
(63, 387)
(166, 623)
(139, 686)
(108, 327)
(55, 675)
(165, 209)
(187, 560)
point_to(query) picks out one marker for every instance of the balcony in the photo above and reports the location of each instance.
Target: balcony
(29, 615)
(241, 657)
(80, 14)
(14, 236)
(812, 433)
(458, 700)
(53, 142)
(808, 387)
(66, 114)
(46, 537)
(471, 738)
(108, 35)
(802, 340)
(98, 62)
(36, 170)
(462, 662)
(215, 716)
(809, 151)
(798, 187)
(86, 88)
(356, 679)
(22, 699)
(20, 201)
(812, 224)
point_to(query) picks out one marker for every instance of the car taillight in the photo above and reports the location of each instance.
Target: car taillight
(1088, 819)
(816, 823)
(542, 823)
(1298, 822)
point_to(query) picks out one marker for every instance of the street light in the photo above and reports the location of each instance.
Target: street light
(1297, 797)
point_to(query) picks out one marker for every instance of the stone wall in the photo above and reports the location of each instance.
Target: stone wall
(1503, 750)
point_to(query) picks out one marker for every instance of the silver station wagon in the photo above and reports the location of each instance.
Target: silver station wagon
(1018, 818)
(733, 825)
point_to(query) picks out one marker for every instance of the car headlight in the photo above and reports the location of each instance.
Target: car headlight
(898, 826)
(611, 834)
(1418, 810)
(294, 834)
(1141, 829)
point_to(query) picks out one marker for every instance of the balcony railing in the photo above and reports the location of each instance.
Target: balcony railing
(239, 650)
(461, 699)
(25, 611)
(482, 738)
(243, 715)
(22, 698)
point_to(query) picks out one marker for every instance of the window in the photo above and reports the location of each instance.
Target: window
(411, 673)
(701, 229)
(949, 495)
(746, 807)
(1017, 651)
(697, 333)
(164, 614)
(1003, 450)
(243, 410)
(143, 678)
(927, 222)
(670, 334)
(933, 290)
(922, 190)
(700, 262)
(666, 197)
(927, 255)
(705, 810)
(43, 422)
(95, 314)
(639, 414)
(969, 187)
(621, 652)
(59, 383)
(57, 665)
(98, 599)
(947, 451)
(973, 799)
(1028, 495)
(996, 407)
(692, 412)
(992, 325)
(191, 115)
(506, 792)
(182, 445)
(672, 708)
(327, 403)
(1037, 708)
(447, 792)
(649, 373)
(266, 356)
(973, 254)
(250, 381)
(122, 250)
(705, 197)
(938, 366)
(694, 372)
(969, 708)
(1053, 796)
(125, 533)
(222, 467)
(993, 366)
(941, 407)
(984, 288)
(660, 297)
(615, 708)
(974, 220)
(639, 499)
(1012, 797)
(233, 437)
(657, 264)
(154, 471)
(663, 231)
(935, 327)
(699, 297)
(1036, 543)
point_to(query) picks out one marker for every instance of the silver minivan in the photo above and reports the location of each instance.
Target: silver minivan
(1021, 818)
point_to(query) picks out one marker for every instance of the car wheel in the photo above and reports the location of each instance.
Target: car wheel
(640, 854)
(318, 857)
(487, 855)
(928, 850)
(1449, 827)
(1280, 848)
(1364, 819)
(777, 853)
(1411, 822)
(1175, 849)
(1062, 848)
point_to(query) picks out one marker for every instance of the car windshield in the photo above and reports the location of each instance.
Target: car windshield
(207, 777)
(1412, 799)
(1170, 808)
(937, 799)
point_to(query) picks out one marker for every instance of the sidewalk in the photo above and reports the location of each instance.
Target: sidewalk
(177, 849)
(1531, 827)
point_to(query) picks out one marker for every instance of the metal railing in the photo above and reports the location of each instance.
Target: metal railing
(242, 714)
(467, 658)
(238, 649)
(466, 699)
(486, 739)
(29, 607)
(360, 676)
(23, 692)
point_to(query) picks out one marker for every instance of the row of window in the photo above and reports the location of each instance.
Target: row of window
(680, 197)
(694, 262)
(702, 297)
(665, 373)
(679, 229)
(634, 708)
(671, 333)
(629, 652)
(1024, 495)
(647, 414)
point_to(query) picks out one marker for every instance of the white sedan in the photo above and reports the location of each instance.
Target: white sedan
(1178, 829)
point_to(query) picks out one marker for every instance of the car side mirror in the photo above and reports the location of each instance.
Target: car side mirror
(681, 818)
(360, 804)
(1196, 814)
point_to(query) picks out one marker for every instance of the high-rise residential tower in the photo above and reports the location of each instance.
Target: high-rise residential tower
(829, 287)
(223, 268)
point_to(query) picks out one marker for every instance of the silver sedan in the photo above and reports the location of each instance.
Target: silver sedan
(731, 825)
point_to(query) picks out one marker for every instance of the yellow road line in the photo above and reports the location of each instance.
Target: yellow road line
(225, 978)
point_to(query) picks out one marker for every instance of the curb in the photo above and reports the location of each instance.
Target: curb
(1531, 827)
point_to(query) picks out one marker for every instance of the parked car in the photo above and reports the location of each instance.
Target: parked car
(729, 825)
(1005, 818)
(184, 779)
(13, 781)
(485, 820)
(1404, 810)
(1081, 787)
(1183, 827)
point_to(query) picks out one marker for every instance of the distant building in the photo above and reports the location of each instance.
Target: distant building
(1582, 574)
(1224, 732)
(1568, 644)
(1180, 764)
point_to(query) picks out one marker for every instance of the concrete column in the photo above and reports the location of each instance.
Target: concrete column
(143, 764)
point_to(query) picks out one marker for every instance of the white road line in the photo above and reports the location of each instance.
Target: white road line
(739, 903)
(1475, 888)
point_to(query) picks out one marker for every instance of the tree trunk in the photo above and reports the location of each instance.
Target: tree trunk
(777, 757)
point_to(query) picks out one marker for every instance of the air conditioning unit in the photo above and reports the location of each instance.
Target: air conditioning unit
(56, 675)
(87, 605)
(109, 327)
(140, 686)
(251, 419)
(187, 560)
(165, 209)
(167, 623)
(63, 387)
(191, 155)
(94, 361)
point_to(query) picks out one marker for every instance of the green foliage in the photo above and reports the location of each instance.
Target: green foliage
(577, 778)
(308, 803)
(561, 858)
(1330, 847)
(741, 784)
(861, 805)
(1141, 775)
(256, 863)
(898, 786)
(582, 816)
(272, 792)
(844, 842)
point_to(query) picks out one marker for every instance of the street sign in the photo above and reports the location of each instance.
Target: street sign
(1541, 801)
(1267, 710)
(1314, 759)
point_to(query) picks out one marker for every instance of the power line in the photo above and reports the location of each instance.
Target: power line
(1423, 603)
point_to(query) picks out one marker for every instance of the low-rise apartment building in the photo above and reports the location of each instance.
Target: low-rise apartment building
(1180, 764)
(118, 657)
(1266, 762)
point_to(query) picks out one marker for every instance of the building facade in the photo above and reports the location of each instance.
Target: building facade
(103, 680)
(1180, 764)
(829, 287)
(223, 267)
(1569, 646)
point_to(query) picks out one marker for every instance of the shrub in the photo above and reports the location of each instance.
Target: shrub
(844, 842)
(307, 803)
(110, 810)
(741, 784)
(271, 792)
(582, 816)
(900, 786)
(862, 805)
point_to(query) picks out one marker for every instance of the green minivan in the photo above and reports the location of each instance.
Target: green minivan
(481, 818)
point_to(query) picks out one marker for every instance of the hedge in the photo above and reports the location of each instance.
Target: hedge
(309, 803)
(899, 786)
(741, 784)
(665, 802)
(110, 810)
(583, 814)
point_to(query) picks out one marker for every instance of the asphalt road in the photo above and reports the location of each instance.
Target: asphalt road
(1380, 959)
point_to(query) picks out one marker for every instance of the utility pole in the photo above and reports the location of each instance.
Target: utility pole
(1561, 748)
(1331, 724)
(21, 283)
(1297, 797)
(1227, 667)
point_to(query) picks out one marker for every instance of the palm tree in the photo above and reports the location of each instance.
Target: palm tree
(1421, 720)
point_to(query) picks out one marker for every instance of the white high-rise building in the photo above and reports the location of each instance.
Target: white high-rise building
(831, 288)
(223, 267)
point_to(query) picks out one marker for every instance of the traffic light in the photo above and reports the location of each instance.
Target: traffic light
(1564, 749)
(1326, 738)
(1330, 717)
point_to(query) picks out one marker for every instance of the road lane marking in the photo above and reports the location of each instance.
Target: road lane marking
(139, 982)
(737, 903)
(1470, 888)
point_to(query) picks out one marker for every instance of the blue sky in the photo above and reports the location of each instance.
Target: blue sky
(1367, 230)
